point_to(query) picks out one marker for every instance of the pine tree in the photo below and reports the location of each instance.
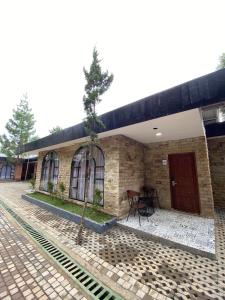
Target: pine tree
(221, 64)
(20, 128)
(55, 129)
(97, 83)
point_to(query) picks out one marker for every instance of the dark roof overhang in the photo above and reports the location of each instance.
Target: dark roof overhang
(200, 92)
(215, 130)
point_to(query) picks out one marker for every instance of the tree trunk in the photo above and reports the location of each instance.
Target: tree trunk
(86, 185)
(27, 168)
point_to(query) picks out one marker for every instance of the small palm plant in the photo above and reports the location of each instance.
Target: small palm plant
(97, 198)
(32, 183)
(51, 189)
(62, 190)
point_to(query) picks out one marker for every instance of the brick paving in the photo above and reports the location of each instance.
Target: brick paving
(25, 273)
(148, 269)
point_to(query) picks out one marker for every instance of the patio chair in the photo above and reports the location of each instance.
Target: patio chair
(135, 205)
(151, 194)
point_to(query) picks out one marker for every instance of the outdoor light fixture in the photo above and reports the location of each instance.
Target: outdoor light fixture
(158, 134)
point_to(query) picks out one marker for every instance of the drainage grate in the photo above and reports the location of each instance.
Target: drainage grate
(84, 279)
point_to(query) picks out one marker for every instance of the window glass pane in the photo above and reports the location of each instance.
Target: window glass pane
(75, 172)
(81, 181)
(78, 171)
(99, 185)
(3, 172)
(99, 173)
(50, 170)
(6, 170)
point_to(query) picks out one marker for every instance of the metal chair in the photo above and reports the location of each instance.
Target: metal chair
(134, 203)
(151, 194)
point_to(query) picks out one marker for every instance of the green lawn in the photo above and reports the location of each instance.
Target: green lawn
(90, 213)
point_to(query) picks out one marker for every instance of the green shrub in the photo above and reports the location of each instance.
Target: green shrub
(51, 189)
(32, 183)
(97, 198)
(62, 190)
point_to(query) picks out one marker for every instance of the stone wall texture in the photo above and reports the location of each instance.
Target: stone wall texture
(131, 169)
(216, 148)
(130, 165)
(110, 148)
(157, 174)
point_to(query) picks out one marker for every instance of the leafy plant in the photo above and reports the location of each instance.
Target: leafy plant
(51, 189)
(62, 189)
(97, 198)
(32, 182)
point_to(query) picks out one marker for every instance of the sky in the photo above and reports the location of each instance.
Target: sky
(149, 46)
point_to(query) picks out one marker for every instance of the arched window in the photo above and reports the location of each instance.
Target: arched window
(50, 170)
(7, 170)
(80, 165)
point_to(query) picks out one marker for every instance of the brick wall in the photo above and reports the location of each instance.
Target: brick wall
(38, 170)
(131, 169)
(216, 148)
(157, 174)
(110, 148)
(130, 165)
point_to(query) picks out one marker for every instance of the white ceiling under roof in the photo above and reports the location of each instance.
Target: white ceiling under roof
(187, 124)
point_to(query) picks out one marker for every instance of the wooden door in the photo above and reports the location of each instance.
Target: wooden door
(183, 182)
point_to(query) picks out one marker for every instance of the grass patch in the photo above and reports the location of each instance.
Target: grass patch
(90, 213)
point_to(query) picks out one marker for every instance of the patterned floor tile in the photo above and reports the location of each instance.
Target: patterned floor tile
(168, 271)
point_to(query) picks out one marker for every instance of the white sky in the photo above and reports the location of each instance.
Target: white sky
(148, 46)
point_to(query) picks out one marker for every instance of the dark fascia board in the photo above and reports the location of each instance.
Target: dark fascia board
(215, 130)
(199, 92)
(33, 159)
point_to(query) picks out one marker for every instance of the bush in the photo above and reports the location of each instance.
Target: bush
(32, 183)
(97, 198)
(62, 190)
(51, 188)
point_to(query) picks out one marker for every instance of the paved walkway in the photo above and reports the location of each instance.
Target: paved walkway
(148, 269)
(187, 230)
(25, 273)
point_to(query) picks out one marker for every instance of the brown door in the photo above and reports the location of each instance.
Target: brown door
(183, 182)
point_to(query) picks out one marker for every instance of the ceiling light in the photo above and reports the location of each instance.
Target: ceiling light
(158, 134)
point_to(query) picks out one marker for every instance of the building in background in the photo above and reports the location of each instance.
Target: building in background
(18, 169)
(173, 141)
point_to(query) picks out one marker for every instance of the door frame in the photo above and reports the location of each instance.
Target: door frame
(194, 166)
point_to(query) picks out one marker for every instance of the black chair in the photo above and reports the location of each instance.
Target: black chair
(148, 208)
(135, 204)
(151, 193)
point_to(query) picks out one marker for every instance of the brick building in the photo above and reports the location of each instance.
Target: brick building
(172, 141)
(17, 169)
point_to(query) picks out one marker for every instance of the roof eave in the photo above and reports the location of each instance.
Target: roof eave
(203, 91)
